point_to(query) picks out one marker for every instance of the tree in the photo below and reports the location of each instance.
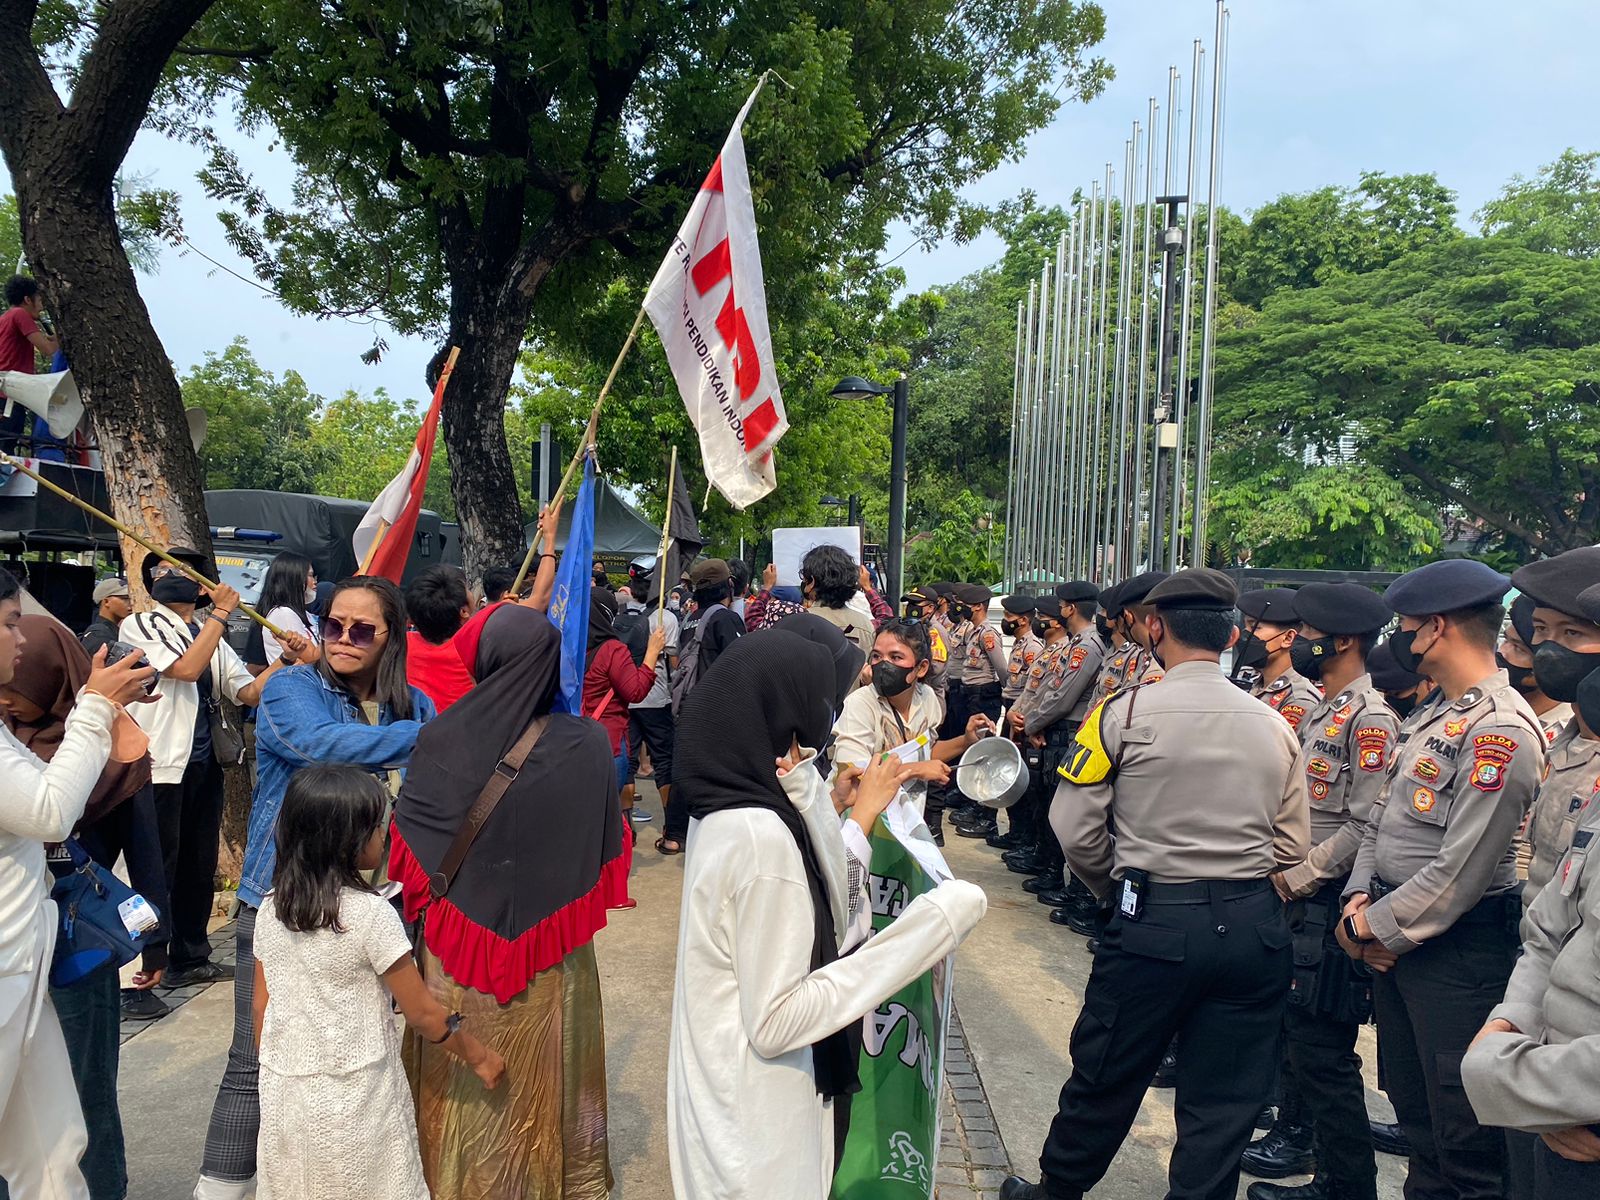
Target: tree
(360, 443)
(260, 428)
(63, 157)
(1558, 210)
(1469, 370)
(470, 168)
(961, 546)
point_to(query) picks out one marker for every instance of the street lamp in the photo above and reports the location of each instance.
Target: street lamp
(853, 387)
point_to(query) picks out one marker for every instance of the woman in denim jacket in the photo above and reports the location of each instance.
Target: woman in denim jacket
(356, 707)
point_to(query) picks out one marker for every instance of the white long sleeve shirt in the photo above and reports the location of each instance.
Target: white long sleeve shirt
(40, 802)
(744, 1117)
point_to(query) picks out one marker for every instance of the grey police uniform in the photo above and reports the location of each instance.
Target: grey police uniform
(1572, 779)
(1057, 711)
(1207, 796)
(1025, 651)
(1291, 695)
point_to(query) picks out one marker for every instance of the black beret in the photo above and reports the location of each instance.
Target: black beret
(973, 593)
(1588, 603)
(943, 588)
(1556, 582)
(1077, 589)
(1018, 604)
(1137, 590)
(1522, 618)
(1446, 586)
(1276, 606)
(1197, 588)
(1108, 599)
(1342, 608)
(1387, 674)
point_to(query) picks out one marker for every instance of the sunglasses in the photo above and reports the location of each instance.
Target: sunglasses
(361, 633)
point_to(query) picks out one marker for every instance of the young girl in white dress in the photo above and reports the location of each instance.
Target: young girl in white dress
(337, 1118)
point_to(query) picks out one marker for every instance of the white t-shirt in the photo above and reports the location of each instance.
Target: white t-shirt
(289, 621)
(661, 690)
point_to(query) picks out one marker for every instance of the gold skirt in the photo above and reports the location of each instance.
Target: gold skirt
(540, 1135)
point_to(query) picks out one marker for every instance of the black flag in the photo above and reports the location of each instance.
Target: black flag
(683, 543)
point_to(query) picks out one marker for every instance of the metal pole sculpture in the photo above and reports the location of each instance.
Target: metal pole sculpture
(1142, 416)
(1013, 506)
(1208, 332)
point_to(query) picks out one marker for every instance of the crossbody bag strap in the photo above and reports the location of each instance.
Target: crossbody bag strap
(505, 774)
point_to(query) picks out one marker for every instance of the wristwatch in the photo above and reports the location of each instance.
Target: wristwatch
(451, 1024)
(1350, 932)
(285, 660)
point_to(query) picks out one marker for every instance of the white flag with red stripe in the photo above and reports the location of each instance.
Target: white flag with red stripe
(708, 302)
(391, 523)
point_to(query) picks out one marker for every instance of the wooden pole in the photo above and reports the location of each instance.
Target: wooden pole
(583, 447)
(666, 540)
(384, 526)
(183, 567)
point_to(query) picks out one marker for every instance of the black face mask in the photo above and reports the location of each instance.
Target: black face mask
(1155, 647)
(1009, 628)
(1403, 705)
(914, 612)
(1588, 700)
(889, 679)
(1521, 677)
(1251, 651)
(1040, 628)
(1401, 644)
(1104, 626)
(1559, 671)
(1308, 656)
(175, 589)
(960, 612)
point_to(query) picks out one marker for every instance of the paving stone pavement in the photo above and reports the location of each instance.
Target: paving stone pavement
(972, 1155)
(222, 951)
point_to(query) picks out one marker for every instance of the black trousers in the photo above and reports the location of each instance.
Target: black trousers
(956, 716)
(189, 815)
(1322, 1052)
(1429, 1007)
(1216, 973)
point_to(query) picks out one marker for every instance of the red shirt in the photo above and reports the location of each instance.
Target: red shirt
(612, 682)
(437, 670)
(16, 351)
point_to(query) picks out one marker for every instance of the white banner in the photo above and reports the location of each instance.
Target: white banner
(708, 302)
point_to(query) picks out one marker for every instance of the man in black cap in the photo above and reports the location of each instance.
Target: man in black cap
(1515, 657)
(1432, 904)
(1027, 815)
(714, 626)
(1197, 944)
(1132, 662)
(1403, 690)
(1345, 740)
(922, 604)
(1271, 621)
(1118, 646)
(1016, 622)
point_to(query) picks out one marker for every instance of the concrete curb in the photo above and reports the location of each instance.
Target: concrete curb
(973, 1160)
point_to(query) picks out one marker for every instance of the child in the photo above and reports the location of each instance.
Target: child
(337, 1117)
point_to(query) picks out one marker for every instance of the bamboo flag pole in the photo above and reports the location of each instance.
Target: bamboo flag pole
(666, 540)
(183, 567)
(583, 447)
(383, 526)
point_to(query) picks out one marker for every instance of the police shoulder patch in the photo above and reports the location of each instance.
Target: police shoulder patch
(1292, 714)
(1075, 659)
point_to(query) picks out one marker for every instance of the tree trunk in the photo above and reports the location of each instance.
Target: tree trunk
(482, 479)
(152, 471)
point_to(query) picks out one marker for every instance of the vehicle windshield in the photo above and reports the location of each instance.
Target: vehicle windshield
(244, 573)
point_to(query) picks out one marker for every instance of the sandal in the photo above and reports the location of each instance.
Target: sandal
(663, 842)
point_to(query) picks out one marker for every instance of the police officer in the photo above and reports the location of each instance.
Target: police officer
(1027, 815)
(1403, 690)
(1432, 904)
(1197, 943)
(1566, 647)
(1515, 657)
(1535, 1065)
(1271, 620)
(1345, 739)
(1016, 622)
(1132, 663)
(1119, 647)
(922, 604)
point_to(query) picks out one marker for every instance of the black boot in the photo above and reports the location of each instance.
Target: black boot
(979, 826)
(1167, 1072)
(1024, 862)
(1390, 1139)
(1017, 1188)
(1315, 1190)
(1285, 1150)
(1004, 841)
(1042, 883)
(1054, 897)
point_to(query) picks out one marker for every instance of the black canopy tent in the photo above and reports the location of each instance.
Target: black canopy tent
(621, 533)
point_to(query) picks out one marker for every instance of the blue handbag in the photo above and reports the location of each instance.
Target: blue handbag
(91, 902)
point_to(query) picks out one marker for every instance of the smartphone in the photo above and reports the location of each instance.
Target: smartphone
(117, 651)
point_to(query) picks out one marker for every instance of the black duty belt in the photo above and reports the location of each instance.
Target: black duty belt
(1203, 891)
(1503, 906)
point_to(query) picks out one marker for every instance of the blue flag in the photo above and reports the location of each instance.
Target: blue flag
(569, 605)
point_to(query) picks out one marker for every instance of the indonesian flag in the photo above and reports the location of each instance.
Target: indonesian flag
(709, 305)
(391, 522)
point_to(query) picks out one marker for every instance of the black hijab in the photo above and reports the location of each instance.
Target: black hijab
(780, 687)
(534, 873)
(602, 612)
(848, 658)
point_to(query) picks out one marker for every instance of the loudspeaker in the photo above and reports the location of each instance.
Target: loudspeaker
(53, 397)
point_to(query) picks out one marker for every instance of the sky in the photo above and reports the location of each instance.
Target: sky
(1474, 91)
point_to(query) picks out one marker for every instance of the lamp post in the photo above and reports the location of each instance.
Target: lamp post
(853, 387)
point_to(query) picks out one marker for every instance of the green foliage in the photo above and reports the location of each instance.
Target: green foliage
(362, 442)
(10, 237)
(963, 544)
(1469, 371)
(1558, 210)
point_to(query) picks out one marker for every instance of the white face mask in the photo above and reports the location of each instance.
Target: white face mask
(311, 594)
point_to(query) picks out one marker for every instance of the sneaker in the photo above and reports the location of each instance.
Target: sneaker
(206, 972)
(639, 816)
(143, 1005)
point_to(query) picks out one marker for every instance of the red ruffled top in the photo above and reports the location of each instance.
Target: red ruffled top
(483, 960)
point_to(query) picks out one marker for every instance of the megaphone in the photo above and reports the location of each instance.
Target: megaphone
(53, 397)
(197, 427)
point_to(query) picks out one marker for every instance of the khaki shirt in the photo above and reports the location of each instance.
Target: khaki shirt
(956, 641)
(1067, 688)
(1554, 721)
(1043, 668)
(985, 661)
(1461, 779)
(1025, 651)
(1572, 777)
(1547, 1077)
(1199, 780)
(1346, 742)
(1291, 695)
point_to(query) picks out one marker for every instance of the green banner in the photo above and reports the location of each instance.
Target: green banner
(892, 1146)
